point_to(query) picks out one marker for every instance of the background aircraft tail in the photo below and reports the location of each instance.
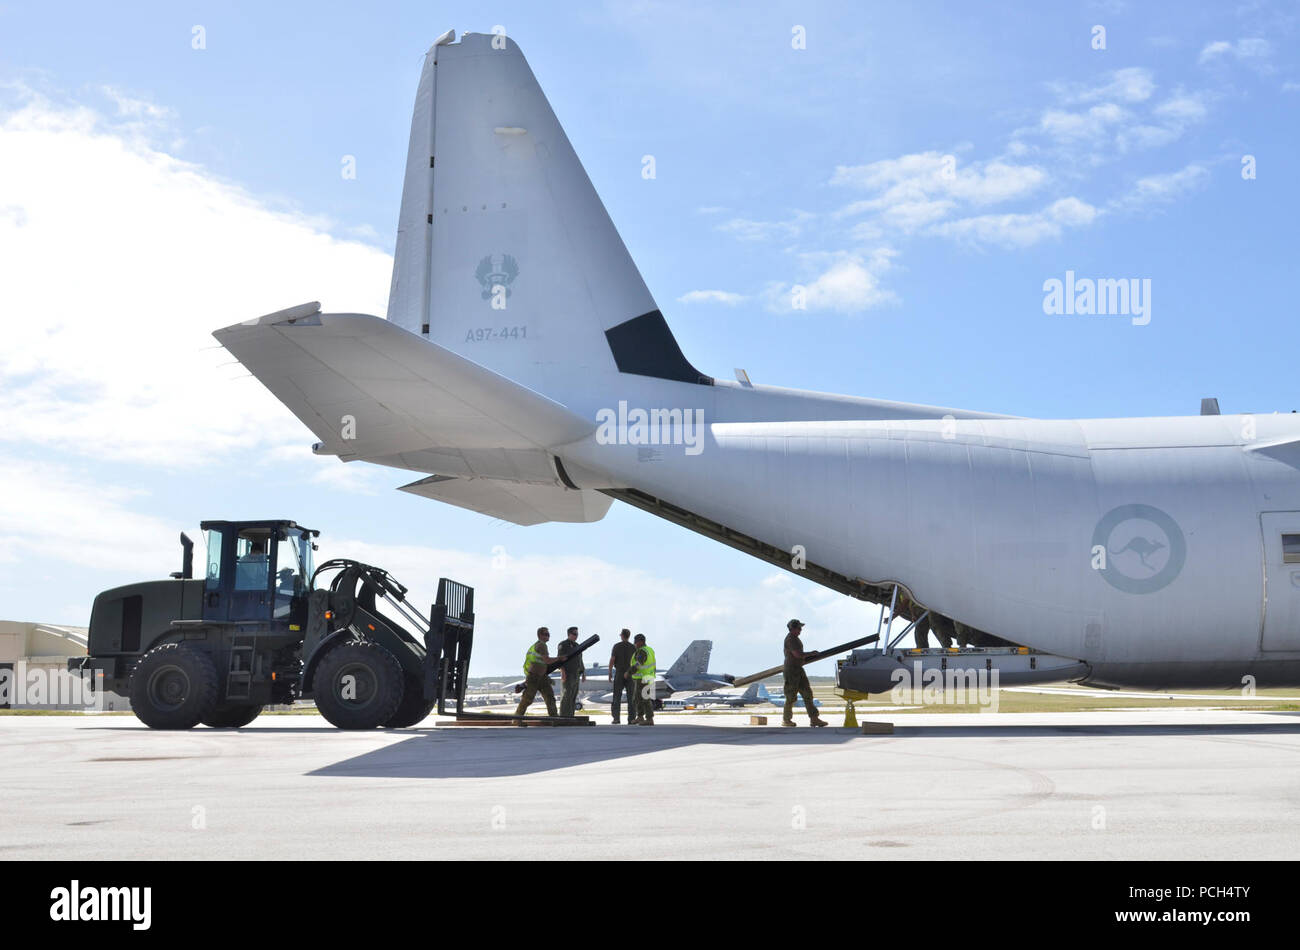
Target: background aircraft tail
(505, 253)
(694, 660)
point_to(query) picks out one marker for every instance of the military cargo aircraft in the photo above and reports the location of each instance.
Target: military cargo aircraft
(524, 371)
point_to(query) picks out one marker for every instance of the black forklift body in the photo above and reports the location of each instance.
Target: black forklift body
(252, 594)
(262, 626)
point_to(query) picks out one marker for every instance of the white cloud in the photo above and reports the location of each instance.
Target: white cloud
(1215, 50)
(359, 478)
(712, 296)
(932, 193)
(1071, 127)
(1246, 49)
(844, 282)
(1131, 85)
(921, 178)
(53, 512)
(1155, 190)
(1182, 108)
(1020, 230)
(1167, 123)
(884, 174)
(910, 215)
(121, 260)
(912, 192)
(1121, 121)
(744, 229)
(133, 108)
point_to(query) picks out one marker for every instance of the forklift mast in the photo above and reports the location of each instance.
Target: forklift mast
(448, 643)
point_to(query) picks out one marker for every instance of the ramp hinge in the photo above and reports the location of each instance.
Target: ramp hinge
(430, 161)
(430, 219)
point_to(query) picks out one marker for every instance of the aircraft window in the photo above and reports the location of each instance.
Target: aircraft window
(1291, 548)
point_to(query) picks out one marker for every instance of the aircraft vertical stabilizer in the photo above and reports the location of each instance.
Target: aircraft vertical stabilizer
(505, 253)
(694, 660)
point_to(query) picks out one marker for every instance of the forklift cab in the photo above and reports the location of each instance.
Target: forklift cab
(257, 571)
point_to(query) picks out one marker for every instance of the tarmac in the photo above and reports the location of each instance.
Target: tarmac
(1149, 784)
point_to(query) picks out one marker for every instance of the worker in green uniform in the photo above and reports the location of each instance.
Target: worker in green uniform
(796, 680)
(643, 674)
(572, 674)
(536, 678)
(620, 677)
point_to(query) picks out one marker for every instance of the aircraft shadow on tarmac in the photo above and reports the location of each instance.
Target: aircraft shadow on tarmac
(470, 752)
(489, 753)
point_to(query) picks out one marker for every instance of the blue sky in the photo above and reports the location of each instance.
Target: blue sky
(151, 192)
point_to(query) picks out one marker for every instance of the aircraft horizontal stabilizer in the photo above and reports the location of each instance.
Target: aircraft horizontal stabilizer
(370, 389)
(520, 503)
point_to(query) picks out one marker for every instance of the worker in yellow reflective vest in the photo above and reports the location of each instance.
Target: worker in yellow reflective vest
(643, 672)
(536, 678)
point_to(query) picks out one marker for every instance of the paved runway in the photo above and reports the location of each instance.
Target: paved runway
(1151, 784)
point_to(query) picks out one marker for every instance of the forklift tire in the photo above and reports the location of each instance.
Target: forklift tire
(358, 685)
(173, 687)
(414, 708)
(231, 717)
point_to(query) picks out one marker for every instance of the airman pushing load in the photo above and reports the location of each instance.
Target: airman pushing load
(536, 678)
(572, 674)
(796, 679)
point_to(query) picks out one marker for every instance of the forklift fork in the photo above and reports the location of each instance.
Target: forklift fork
(448, 644)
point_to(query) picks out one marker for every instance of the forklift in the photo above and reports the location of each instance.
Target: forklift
(264, 626)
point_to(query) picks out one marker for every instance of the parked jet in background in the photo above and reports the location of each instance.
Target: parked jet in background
(690, 671)
(755, 694)
(526, 372)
